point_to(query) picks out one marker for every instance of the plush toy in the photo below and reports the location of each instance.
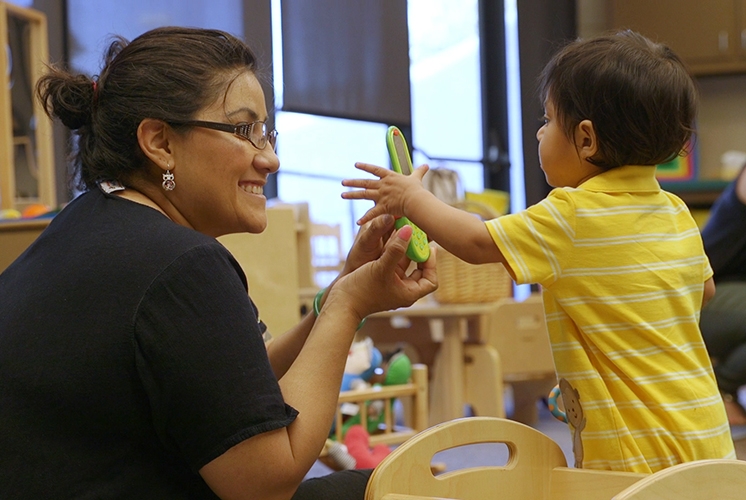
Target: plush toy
(357, 441)
(367, 367)
(362, 362)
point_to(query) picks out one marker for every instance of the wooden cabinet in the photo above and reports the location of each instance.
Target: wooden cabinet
(710, 35)
(26, 157)
(270, 262)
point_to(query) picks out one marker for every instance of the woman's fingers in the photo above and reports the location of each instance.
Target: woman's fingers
(395, 249)
(369, 241)
(370, 236)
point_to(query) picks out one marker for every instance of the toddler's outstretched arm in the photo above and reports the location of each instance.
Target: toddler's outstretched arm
(459, 232)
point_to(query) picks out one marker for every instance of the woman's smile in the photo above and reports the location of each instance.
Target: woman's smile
(252, 188)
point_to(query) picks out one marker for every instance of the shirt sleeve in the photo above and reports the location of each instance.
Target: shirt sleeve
(202, 360)
(724, 236)
(533, 240)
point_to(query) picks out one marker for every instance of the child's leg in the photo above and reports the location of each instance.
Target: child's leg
(723, 324)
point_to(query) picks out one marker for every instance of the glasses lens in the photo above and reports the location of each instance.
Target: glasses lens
(258, 135)
(272, 139)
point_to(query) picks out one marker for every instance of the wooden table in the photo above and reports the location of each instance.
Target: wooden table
(460, 323)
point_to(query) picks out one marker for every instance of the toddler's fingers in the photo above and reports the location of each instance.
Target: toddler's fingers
(373, 169)
(370, 215)
(361, 194)
(420, 171)
(362, 183)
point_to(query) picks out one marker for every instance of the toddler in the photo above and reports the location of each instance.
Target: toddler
(620, 262)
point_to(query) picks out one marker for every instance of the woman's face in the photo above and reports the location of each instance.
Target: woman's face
(220, 177)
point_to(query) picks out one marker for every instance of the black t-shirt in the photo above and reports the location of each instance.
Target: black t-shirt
(724, 237)
(130, 356)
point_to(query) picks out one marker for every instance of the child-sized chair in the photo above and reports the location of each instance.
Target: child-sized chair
(536, 468)
(700, 480)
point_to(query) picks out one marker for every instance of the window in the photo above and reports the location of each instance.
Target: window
(92, 23)
(317, 152)
(446, 90)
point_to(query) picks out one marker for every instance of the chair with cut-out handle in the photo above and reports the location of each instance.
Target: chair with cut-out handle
(699, 480)
(536, 467)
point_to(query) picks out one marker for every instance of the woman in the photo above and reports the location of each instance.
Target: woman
(723, 319)
(132, 363)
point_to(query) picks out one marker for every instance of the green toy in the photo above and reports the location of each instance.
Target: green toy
(398, 370)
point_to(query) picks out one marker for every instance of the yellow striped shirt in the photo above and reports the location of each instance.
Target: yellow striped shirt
(622, 268)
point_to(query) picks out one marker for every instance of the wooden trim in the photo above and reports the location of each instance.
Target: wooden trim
(44, 155)
(7, 170)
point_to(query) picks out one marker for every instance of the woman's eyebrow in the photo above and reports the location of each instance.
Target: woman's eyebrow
(254, 116)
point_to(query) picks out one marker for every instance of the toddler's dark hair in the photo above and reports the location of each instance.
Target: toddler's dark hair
(638, 95)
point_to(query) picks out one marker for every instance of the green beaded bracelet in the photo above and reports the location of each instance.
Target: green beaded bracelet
(317, 302)
(317, 306)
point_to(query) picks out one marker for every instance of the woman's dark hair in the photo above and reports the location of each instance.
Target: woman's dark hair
(168, 73)
(638, 95)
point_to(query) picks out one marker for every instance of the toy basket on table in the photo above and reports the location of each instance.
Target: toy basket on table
(460, 282)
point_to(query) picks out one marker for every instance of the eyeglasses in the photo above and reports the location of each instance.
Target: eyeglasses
(256, 132)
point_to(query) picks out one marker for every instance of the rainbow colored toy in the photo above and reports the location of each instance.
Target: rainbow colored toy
(681, 168)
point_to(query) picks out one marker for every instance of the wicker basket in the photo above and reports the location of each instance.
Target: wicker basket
(460, 282)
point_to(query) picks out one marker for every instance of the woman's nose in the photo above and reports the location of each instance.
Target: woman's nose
(266, 159)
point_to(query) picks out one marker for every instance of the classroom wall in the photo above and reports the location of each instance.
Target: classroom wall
(722, 115)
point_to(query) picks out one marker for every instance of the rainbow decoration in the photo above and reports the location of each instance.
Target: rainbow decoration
(681, 168)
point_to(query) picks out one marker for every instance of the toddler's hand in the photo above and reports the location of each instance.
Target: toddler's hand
(391, 192)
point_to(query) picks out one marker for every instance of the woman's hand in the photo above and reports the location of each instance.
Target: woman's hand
(369, 242)
(384, 284)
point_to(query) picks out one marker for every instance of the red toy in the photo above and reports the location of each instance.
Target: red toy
(357, 441)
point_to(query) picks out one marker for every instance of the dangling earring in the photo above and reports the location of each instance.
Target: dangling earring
(168, 179)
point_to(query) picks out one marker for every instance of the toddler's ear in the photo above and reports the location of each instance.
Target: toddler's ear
(585, 139)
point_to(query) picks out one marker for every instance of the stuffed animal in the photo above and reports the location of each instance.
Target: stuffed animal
(362, 362)
(367, 367)
(357, 441)
(396, 370)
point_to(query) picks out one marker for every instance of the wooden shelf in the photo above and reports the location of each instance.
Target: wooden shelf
(696, 194)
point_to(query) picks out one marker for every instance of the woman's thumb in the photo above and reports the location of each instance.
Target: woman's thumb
(397, 246)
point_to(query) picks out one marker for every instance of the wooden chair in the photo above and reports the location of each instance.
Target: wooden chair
(414, 397)
(536, 468)
(327, 254)
(700, 480)
(514, 351)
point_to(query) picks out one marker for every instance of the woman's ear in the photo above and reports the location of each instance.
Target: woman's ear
(152, 135)
(586, 140)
